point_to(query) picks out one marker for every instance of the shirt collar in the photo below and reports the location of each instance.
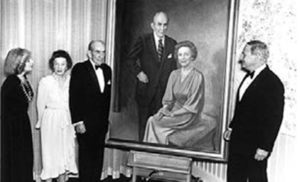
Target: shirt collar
(258, 70)
(156, 38)
(93, 64)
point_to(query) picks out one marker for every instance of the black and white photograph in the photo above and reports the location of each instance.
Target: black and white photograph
(203, 27)
(149, 90)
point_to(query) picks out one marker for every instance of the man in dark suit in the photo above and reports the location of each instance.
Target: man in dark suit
(257, 117)
(90, 90)
(154, 51)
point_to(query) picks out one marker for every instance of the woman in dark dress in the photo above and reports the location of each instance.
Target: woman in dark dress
(16, 137)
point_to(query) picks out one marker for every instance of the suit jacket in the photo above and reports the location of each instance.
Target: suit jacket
(87, 103)
(157, 71)
(258, 115)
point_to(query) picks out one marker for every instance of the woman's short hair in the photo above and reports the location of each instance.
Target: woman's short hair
(15, 61)
(60, 54)
(188, 44)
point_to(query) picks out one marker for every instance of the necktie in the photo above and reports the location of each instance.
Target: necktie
(97, 66)
(160, 49)
(100, 76)
(250, 74)
(242, 88)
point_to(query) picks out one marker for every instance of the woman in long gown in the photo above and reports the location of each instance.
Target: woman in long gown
(16, 136)
(183, 100)
(54, 120)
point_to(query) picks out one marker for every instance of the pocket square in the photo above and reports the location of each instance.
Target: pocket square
(169, 56)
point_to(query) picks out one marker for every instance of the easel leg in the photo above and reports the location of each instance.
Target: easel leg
(188, 178)
(134, 174)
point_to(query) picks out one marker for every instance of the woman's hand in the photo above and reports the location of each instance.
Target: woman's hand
(38, 125)
(164, 111)
(157, 116)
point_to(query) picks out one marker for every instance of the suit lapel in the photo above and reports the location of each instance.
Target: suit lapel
(105, 75)
(153, 47)
(167, 48)
(238, 91)
(252, 87)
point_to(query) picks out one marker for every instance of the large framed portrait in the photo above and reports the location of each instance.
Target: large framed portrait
(211, 26)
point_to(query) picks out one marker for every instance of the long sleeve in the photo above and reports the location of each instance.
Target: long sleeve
(134, 55)
(8, 95)
(272, 115)
(76, 101)
(196, 94)
(41, 100)
(168, 98)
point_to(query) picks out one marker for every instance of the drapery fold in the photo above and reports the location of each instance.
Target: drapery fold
(115, 163)
(43, 26)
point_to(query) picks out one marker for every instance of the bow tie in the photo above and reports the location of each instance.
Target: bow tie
(97, 67)
(250, 74)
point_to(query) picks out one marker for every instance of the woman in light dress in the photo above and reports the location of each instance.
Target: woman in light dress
(182, 102)
(54, 120)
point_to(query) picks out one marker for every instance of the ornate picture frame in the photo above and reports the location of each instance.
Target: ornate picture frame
(211, 25)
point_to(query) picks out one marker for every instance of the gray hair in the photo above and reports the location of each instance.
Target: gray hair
(15, 61)
(259, 48)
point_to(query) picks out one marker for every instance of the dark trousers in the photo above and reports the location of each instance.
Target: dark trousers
(244, 168)
(144, 112)
(91, 150)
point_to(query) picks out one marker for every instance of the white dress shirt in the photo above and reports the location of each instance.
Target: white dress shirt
(247, 82)
(156, 40)
(100, 77)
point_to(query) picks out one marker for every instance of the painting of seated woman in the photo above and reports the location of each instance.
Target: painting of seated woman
(180, 122)
(189, 117)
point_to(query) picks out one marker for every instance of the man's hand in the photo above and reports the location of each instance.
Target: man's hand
(227, 134)
(261, 154)
(80, 128)
(142, 77)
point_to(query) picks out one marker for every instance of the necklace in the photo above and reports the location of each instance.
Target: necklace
(61, 81)
(27, 90)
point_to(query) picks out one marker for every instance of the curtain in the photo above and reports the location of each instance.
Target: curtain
(43, 26)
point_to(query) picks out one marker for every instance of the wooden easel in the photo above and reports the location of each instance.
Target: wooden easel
(160, 166)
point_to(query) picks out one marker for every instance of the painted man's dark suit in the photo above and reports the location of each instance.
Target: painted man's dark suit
(89, 105)
(256, 122)
(149, 95)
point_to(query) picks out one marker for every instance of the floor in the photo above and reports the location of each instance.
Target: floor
(109, 179)
(125, 179)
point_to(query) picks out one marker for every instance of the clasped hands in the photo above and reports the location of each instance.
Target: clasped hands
(164, 111)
